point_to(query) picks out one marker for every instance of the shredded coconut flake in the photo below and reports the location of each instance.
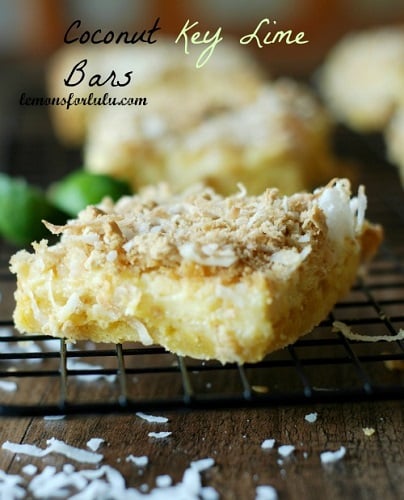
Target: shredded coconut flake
(30, 469)
(112, 255)
(141, 461)
(142, 331)
(152, 418)
(268, 444)
(24, 449)
(94, 443)
(8, 386)
(329, 457)
(335, 202)
(104, 482)
(339, 326)
(163, 481)
(266, 492)
(10, 486)
(286, 450)
(54, 446)
(77, 454)
(159, 435)
(209, 493)
(223, 257)
(311, 417)
(202, 464)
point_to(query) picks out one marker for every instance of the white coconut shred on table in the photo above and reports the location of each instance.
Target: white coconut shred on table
(266, 492)
(30, 469)
(94, 443)
(101, 483)
(54, 446)
(163, 481)
(329, 457)
(8, 386)
(268, 444)
(311, 417)
(152, 418)
(140, 461)
(286, 450)
(159, 435)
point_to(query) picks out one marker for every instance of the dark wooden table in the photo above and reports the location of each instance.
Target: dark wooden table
(371, 469)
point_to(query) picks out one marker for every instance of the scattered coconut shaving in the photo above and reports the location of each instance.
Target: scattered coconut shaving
(311, 417)
(152, 418)
(159, 435)
(24, 449)
(163, 481)
(141, 461)
(329, 457)
(268, 444)
(286, 450)
(10, 486)
(8, 386)
(94, 443)
(104, 482)
(30, 469)
(209, 493)
(266, 492)
(54, 446)
(346, 331)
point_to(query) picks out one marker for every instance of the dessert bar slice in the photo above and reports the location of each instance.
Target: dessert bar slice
(227, 278)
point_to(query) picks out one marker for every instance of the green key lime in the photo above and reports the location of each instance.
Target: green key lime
(80, 189)
(22, 209)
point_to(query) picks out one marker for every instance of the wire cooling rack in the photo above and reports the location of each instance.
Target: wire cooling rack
(42, 376)
(48, 377)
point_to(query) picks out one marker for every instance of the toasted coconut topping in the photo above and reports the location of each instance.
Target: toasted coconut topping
(202, 227)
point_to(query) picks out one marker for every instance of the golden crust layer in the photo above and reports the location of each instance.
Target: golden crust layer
(203, 275)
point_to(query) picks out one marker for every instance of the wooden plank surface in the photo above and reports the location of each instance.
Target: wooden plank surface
(372, 467)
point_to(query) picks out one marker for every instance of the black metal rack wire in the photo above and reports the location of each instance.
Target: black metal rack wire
(40, 376)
